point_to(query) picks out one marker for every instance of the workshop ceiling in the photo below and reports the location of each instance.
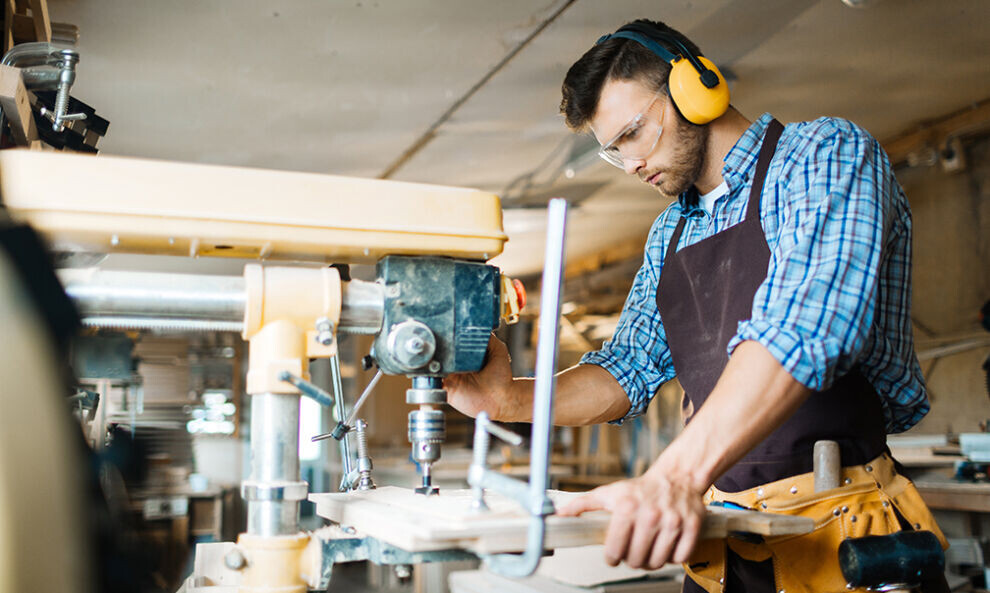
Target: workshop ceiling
(465, 92)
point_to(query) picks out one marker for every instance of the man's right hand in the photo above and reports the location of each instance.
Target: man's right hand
(487, 390)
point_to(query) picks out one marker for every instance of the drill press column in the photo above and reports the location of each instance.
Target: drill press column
(275, 489)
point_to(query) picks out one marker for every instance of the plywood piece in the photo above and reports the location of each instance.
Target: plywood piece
(416, 523)
(585, 567)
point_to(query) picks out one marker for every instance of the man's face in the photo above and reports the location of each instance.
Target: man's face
(674, 163)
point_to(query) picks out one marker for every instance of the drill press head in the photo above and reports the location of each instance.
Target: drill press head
(438, 316)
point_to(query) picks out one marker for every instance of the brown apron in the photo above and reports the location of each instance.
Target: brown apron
(705, 290)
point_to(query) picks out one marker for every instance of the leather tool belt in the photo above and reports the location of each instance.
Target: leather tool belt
(873, 499)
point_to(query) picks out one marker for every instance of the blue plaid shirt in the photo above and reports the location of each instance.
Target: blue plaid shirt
(838, 287)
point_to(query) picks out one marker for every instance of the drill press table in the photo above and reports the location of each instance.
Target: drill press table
(417, 523)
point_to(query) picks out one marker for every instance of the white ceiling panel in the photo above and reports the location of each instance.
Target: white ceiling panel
(350, 87)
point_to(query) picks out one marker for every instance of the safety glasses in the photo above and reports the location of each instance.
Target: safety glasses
(637, 139)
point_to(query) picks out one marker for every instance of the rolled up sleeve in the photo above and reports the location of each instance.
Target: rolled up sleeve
(814, 310)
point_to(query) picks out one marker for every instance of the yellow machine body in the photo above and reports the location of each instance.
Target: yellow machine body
(105, 204)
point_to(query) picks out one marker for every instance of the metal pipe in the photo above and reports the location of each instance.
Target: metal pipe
(547, 348)
(274, 489)
(103, 293)
(193, 302)
(362, 307)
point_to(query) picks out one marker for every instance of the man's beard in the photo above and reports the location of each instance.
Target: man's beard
(690, 147)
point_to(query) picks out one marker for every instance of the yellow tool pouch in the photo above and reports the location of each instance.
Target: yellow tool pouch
(866, 503)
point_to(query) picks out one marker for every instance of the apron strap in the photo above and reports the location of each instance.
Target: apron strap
(767, 150)
(774, 129)
(672, 246)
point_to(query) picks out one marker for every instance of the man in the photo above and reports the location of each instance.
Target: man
(776, 288)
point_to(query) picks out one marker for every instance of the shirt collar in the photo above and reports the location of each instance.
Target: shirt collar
(738, 167)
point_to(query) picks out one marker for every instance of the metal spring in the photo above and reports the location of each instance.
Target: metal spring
(163, 324)
(362, 438)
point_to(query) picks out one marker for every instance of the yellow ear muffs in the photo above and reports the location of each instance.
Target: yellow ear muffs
(696, 102)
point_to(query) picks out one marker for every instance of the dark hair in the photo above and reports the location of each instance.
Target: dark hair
(615, 59)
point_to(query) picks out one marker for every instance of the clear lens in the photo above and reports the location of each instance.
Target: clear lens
(637, 139)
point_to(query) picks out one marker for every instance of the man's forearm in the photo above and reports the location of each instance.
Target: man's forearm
(753, 397)
(586, 394)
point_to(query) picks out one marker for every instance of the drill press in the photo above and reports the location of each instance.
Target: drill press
(438, 315)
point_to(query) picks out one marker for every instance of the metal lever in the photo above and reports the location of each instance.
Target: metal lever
(338, 415)
(308, 389)
(483, 428)
(346, 426)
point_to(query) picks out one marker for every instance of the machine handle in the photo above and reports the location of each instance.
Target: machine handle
(308, 389)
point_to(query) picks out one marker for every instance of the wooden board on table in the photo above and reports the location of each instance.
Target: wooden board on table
(417, 523)
(955, 496)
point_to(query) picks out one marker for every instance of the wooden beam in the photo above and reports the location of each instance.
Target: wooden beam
(934, 133)
(16, 104)
(42, 24)
(9, 10)
(23, 28)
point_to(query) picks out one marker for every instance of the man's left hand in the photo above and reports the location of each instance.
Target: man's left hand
(654, 520)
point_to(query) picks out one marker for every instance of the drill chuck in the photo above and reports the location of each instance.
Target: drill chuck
(427, 430)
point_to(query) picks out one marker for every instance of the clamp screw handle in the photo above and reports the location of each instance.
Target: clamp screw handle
(484, 429)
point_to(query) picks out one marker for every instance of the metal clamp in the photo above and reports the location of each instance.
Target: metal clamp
(483, 429)
(533, 495)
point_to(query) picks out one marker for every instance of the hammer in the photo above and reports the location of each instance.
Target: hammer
(898, 562)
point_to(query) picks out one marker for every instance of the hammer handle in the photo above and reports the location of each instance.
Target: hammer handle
(828, 465)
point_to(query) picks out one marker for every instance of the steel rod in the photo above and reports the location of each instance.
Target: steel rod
(543, 395)
(364, 397)
(338, 415)
(193, 302)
